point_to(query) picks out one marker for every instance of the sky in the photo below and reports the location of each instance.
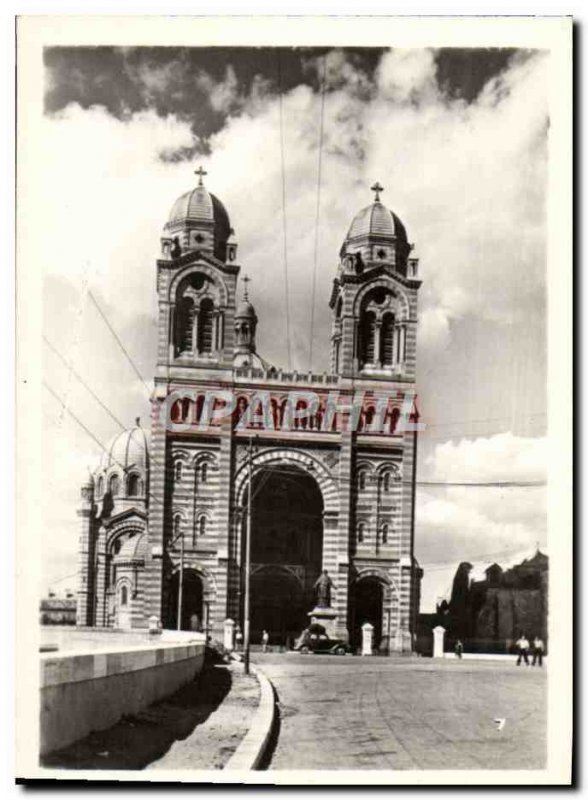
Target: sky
(458, 138)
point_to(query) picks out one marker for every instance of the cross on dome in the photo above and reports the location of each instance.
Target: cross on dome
(201, 173)
(377, 188)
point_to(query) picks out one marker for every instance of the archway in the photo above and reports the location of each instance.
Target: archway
(368, 606)
(192, 601)
(286, 550)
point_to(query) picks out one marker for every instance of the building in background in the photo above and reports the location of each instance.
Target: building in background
(488, 616)
(324, 496)
(55, 610)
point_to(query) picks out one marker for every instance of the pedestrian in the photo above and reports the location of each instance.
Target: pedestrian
(459, 648)
(523, 648)
(538, 648)
(239, 637)
(264, 641)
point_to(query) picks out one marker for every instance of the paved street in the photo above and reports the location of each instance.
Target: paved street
(405, 713)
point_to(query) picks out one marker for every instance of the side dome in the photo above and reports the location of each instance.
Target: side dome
(130, 448)
(198, 221)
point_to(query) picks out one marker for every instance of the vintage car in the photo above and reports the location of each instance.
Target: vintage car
(315, 640)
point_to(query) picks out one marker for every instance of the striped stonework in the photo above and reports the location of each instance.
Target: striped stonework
(197, 474)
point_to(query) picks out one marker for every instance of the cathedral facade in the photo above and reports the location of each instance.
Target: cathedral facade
(329, 458)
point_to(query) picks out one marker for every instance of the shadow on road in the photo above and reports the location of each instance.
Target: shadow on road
(136, 741)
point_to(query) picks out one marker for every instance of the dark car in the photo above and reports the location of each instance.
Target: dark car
(321, 643)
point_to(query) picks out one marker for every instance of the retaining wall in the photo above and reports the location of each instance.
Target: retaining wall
(86, 691)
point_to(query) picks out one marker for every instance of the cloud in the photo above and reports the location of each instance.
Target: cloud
(480, 524)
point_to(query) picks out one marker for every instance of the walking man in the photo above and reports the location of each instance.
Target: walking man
(239, 638)
(538, 648)
(459, 648)
(523, 648)
(264, 641)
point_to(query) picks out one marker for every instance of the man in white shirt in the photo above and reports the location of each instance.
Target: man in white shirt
(538, 648)
(523, 648)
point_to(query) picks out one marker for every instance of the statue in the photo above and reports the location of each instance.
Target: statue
(323, 587)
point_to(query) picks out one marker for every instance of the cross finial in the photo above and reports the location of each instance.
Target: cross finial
(377, 188)
(246, 280)
(201, 173)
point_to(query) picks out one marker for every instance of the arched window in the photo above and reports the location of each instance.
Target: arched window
(133, 485)
(339, 308)
(100, 487)
(361, 478)
(361, 532)
(202, 526)
(185, 314)
(385, 529)
(205, 326)
(386, 482)
(179, 469)
(367, 338)
(387, 340)
(113, 485)
(124, 595)
(204, 473)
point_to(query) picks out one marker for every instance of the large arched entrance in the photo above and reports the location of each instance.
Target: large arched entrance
(368, 606)
(286, 550)
(192, 601)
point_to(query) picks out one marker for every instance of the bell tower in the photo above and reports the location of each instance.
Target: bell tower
(196, 284)
(374, 298)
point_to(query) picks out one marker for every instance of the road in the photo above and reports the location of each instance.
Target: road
(349, 712)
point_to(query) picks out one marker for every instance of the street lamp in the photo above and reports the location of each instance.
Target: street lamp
(247, 607)
(180, 536)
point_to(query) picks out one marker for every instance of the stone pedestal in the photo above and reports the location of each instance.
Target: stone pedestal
(229, 635)
(438, 641)
(367, 637)
(327, 617)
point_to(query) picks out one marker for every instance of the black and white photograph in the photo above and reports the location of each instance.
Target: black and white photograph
(294, 400)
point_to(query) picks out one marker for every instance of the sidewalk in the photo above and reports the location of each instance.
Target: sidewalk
(199, 727)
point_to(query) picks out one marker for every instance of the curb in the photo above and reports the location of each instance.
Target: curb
(252, 749)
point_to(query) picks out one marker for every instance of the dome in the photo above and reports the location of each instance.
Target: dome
(377, 220)
(245, 309)
(127, 449)
(135, 548)
(199, 205)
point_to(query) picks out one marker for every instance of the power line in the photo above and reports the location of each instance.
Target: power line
(318, 207)
(284, 223)
(70, 367)
(94, 438)
(121, 345)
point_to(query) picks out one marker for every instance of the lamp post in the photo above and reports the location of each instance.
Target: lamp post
(180, 536)
(247, 608)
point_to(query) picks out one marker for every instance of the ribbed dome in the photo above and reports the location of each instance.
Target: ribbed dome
(135, 548)
(127, 449)
(377, 220)
(199, 205)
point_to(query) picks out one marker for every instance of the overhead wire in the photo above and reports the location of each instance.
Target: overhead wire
(76, 375)
(318, 208)
(118, 340)
(284, 221)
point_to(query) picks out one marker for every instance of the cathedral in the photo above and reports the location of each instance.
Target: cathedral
(320, 466)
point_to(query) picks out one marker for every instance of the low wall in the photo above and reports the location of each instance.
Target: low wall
(91, 690)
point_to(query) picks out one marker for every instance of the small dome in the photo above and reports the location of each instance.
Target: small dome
(245, 309)
(377, 220)
(127, 449)
(136, 548)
